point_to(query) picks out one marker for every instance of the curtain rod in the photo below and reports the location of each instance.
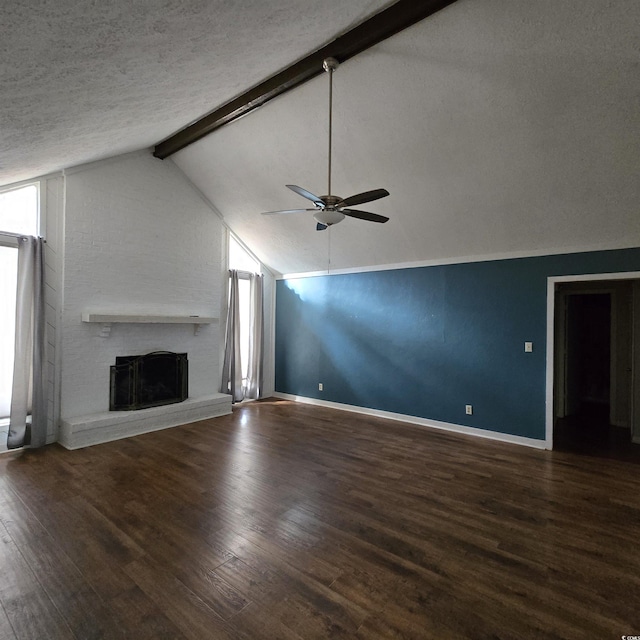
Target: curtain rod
(15, 236)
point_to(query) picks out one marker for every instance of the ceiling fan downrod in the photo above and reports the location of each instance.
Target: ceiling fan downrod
(330, 65)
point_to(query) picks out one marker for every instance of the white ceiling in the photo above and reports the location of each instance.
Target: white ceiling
(497, 125)
(83, 79)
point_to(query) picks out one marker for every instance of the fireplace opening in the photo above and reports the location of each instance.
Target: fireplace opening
(150, 380)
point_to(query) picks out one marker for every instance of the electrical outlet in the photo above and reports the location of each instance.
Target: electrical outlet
(528, 347)
(468, 409)
(320, 386)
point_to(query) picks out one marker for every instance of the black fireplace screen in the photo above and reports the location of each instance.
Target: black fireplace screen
(151, 380)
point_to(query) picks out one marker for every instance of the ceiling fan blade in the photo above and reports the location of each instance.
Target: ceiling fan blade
(306, 194)
(320, 226)
(364, 215)
(361, 198)
(273, 213)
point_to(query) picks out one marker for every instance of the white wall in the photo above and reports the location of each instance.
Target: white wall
(138, 239)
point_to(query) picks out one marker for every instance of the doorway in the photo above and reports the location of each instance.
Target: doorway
(588, 354)
(593, 368)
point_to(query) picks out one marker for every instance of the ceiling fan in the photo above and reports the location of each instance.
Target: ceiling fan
(331, 209)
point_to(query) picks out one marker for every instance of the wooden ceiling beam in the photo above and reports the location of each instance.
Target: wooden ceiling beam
(383, 25)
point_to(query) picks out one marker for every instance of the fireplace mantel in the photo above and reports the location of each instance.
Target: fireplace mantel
(108, 319)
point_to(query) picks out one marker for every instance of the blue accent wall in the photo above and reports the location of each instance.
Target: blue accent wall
(427, 341)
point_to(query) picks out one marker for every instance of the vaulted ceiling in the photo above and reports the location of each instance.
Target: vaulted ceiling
(84, 80)
(498, 127)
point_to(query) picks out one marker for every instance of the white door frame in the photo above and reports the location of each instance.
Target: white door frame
(551, 301)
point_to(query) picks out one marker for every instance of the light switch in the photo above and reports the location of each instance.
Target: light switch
(528, 347)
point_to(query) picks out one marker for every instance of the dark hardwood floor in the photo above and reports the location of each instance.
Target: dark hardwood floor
(295, 522)
(589, 433)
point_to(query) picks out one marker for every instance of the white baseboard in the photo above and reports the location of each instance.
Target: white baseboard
(421, 422)
(97, 428)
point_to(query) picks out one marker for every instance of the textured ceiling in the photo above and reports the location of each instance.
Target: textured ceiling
(84, 79)
(498, 127)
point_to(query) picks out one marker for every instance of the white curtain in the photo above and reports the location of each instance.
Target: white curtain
(232, 367)
(232, 382)
(253, 387)
(29, 386)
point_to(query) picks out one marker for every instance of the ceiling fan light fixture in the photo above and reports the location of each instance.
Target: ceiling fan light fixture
(328, 216)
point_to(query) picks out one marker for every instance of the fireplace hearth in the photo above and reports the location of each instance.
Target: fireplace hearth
(149, 380)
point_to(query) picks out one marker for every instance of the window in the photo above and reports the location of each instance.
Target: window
(241, 260)
(18, 216)
(19, 211)
(8, 279)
